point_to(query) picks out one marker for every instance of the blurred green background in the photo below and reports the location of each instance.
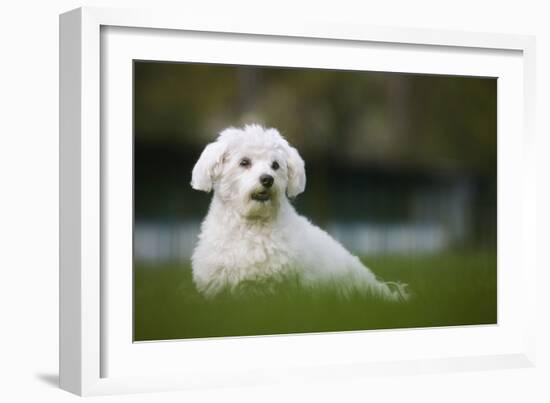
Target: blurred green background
(401, 169)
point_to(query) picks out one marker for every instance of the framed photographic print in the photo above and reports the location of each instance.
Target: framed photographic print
(240, 198)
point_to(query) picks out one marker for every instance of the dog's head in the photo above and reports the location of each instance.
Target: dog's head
(251, 169)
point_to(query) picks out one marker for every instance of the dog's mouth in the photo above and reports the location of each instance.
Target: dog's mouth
(261, 195)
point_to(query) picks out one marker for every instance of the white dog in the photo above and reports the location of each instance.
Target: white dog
(253, 233)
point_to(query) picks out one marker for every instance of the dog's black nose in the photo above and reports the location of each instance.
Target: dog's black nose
(266, 180)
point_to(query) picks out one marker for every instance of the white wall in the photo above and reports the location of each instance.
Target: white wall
(29, 185)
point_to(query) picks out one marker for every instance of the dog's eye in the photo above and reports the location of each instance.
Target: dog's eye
(275, 165)
(245, 162)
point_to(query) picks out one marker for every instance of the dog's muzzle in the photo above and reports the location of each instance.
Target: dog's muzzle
(265, 193)
(261, 195)
(266, 180)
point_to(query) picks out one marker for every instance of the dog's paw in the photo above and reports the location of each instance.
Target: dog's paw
(400, 291)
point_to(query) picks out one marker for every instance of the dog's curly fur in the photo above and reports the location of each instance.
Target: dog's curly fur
(252, 232)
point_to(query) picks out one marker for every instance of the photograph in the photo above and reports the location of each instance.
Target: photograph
(276, 200)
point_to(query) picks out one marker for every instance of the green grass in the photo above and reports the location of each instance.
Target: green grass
(450, 289)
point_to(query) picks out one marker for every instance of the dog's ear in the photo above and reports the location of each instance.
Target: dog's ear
(208, 167)
(296, 173)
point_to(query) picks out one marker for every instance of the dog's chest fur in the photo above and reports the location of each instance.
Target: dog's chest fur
(232, 251)
(258, 250)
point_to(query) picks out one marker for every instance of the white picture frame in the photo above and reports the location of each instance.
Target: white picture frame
(87, 342)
